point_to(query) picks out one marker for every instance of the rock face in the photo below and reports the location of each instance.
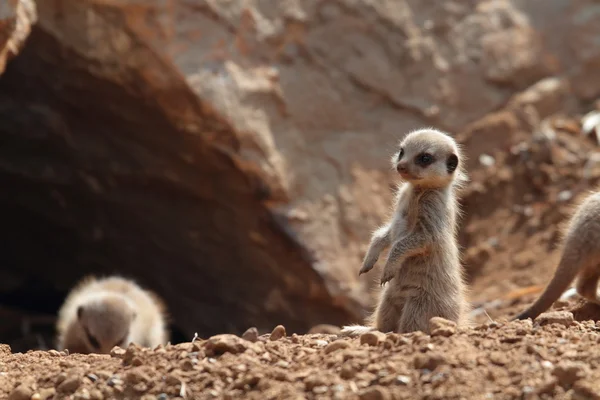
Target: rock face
(233, 156)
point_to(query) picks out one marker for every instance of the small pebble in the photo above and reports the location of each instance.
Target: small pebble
(117, 352)
(403, 379)
(442, 327)
(21, 392)
(556, 317)
(374, 393)
(225, 343)
(69, 385)
(429, 361)
(251, 335)
(278, 332)
(568, 372)
(372, 338)
(337, 345)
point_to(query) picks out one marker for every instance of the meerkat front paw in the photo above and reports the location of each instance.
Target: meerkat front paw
(367, 266)
(387, 274)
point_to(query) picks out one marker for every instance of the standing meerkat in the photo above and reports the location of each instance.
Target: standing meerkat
(99, 314)
(580, 258)
(423, 265)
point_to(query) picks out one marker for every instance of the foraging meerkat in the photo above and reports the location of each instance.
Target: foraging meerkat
(580, 258)
(423, 265)
(99, 314)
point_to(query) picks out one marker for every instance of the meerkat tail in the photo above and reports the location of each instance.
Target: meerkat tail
(569, 266)
(355, 330)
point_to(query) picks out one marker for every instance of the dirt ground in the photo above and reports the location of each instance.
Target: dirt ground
(515, 205)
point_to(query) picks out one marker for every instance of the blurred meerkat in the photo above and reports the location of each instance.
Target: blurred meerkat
(580, 258)
(423, 266)
(99, 314)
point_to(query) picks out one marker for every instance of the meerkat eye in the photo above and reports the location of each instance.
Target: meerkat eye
(451, 163)
(93, 341)
(424, 159)
(400, 154)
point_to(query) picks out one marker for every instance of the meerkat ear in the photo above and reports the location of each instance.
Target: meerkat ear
(79, 312)
(452, 163)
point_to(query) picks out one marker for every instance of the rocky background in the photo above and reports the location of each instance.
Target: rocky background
(233, 156)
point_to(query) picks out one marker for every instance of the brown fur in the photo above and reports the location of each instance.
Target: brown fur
(580, 258)
(111, 311)
(423, 277)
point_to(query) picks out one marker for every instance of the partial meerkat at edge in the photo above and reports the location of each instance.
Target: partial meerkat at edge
(101, 313)
(580, 258)
(423, 276)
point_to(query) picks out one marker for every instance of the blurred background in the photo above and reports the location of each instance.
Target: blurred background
(233, 156)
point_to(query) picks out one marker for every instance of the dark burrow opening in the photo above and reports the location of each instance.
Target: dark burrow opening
(96, 178)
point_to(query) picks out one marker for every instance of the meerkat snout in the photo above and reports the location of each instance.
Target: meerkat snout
(106, 322)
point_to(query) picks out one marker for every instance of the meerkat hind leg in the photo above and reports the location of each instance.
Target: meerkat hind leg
(419, 310)
(389, 310)
(587, 284)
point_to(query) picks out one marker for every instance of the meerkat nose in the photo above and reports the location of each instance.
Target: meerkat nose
(401, 167)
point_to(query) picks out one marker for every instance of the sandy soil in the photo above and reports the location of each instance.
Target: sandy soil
(511, 230)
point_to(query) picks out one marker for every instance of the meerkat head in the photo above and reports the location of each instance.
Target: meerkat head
(105, 321)
(428, 158)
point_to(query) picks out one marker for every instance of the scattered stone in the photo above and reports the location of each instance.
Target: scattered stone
(54, 353)
(337, 345)
(372, 338)
(347, 372)
(374, 393)
(21, 392)
(568, 372)
(47, 393)
(313, 381)
(251, 335)
(92, 377)
(135, 376)
(225, 343)
(429, 361)
(320, 389)
(403, 379)
(117, 352)
(556, 317)
(95, 394)
(499, 358)
(442, 327)
(69, 385)
(278, 333)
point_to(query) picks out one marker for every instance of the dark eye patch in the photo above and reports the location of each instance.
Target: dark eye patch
(451, 163)
(93, 341)
(424, 159)
(400, 154)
